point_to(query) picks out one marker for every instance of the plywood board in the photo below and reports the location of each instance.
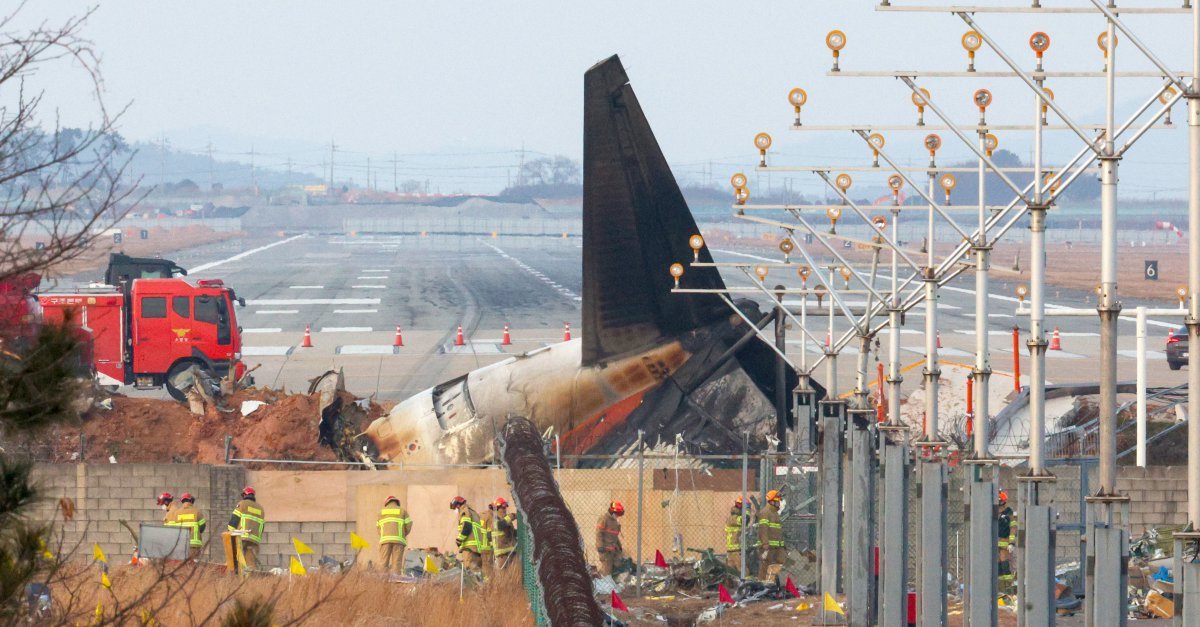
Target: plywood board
(302, 496)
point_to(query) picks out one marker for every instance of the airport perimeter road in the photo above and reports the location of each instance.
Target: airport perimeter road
(353, 291)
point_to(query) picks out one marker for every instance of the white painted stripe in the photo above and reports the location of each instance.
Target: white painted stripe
(999, 315)
(346, 311)
(887, 331)
(367, 349)
(262, 330)
(372, 278)
(242, 255)
(945, 306)
(313, 301)
(990, 332)
(945, 351)
(306, 287)
(267, 312)
(346, 329)
(1155, 355)
(1076, 334)
(382, 270)
(1063, 355)
(368, 287)
(267, 351)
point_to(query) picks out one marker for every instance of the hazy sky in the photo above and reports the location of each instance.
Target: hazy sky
(474, 80)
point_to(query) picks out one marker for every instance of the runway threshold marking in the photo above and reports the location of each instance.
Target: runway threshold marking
(277, 302)
(242, 255)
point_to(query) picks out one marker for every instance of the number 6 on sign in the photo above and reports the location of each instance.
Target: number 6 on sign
(1151, 270)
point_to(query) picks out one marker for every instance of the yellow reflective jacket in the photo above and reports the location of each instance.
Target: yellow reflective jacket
(770, 530)
(470, 531)
(249, 517)
(187, 515)
(394, 524)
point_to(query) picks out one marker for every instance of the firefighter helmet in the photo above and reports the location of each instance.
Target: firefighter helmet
(738, 502)
(187, 497)
(165, 498)
(457, 502)
(389, 499)
(616, 508)
(248, 492)
(773, 495)
(499, 502)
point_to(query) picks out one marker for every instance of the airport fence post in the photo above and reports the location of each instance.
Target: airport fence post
(641, 501)
(82, 447)
(228, 447)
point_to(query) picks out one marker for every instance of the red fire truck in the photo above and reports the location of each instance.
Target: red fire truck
(154, 329)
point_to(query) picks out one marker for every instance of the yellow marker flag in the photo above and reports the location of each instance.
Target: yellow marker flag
(430, 567)
(105, 581)
(832, 606)
(99, 613)
(296, 568)
(147, 618)
(357, 542)
(98, 555)
(301, 548)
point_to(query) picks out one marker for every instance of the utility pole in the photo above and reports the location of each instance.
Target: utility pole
(253, 178)
(368, 173)
(211, 179)
(395, 177)
(332, 150)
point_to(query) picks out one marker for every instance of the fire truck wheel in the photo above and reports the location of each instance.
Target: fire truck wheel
(176, 369)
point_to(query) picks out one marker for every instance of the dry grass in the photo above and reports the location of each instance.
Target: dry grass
(204, 594)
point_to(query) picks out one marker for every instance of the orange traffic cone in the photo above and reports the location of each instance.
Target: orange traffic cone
(566, 331)
(507, 339)
(458, 337)
(1056, 341)
(399, 341)
(307, 337)
(939, 339)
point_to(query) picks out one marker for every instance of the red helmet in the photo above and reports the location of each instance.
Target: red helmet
(247, 492)
(165, 498)
(499, 502)
(738, 502)
(187, 497)
(390, 499)
(616, 508)
(457, 501)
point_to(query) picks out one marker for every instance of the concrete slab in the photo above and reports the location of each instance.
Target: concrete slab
(368, 349)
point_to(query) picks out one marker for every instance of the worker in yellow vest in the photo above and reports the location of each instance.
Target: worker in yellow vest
(504, 532)
(735, 530)
(770, 538)
(394, 527)
(188, 516)
(166, 503)
(470, 540)
(250, 520)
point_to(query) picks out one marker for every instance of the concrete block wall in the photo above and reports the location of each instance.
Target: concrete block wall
(1158, 495)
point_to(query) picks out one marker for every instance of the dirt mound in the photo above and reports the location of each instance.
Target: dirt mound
(157, 430)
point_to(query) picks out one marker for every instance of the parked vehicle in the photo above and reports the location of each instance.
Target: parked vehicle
(1177, 348)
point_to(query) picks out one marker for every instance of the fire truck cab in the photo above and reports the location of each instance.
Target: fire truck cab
(156, 330)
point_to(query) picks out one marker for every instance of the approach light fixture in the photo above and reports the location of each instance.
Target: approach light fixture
(846, 274)
(1040, 43)
(879, 222)
(1181, 292)
(876, 140)
(676, 272)
(797, 97)
(947, 181)
(833, 213)
(819, 292)
(990, 142)
(761, 272)
(786, 247)
(1164, 98)
(738, 180)
(932, 142)
(1050, 183)
(1045, 103)
(972, 42)
(836, 40)
(920, 98)
(896, 183)
(762, 141)
(1102, 43)
(740, 196)
(696, 243)
(804, 271)
(1022, 292)
(982, 98)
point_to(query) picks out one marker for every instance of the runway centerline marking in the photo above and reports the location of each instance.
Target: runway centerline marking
(242, 255)
(313, 301)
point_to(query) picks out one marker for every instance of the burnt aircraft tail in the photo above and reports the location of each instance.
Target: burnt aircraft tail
(635, 225)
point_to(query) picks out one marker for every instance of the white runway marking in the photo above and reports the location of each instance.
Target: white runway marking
(353, 311)
(346, 329)
(1155, 355)
(972, 332)
(267, 312)
(306, 287)
(262, 330)
(472, 349)
(372, 278)
(537, 275)
(367, 349)
(1075, 334)
(999, 315)
(267, 351)
(368, 287)
(242, 255)
(945, 351)
(313, 301)
(380, 270)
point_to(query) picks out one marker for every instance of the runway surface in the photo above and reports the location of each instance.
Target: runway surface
(353, 292)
